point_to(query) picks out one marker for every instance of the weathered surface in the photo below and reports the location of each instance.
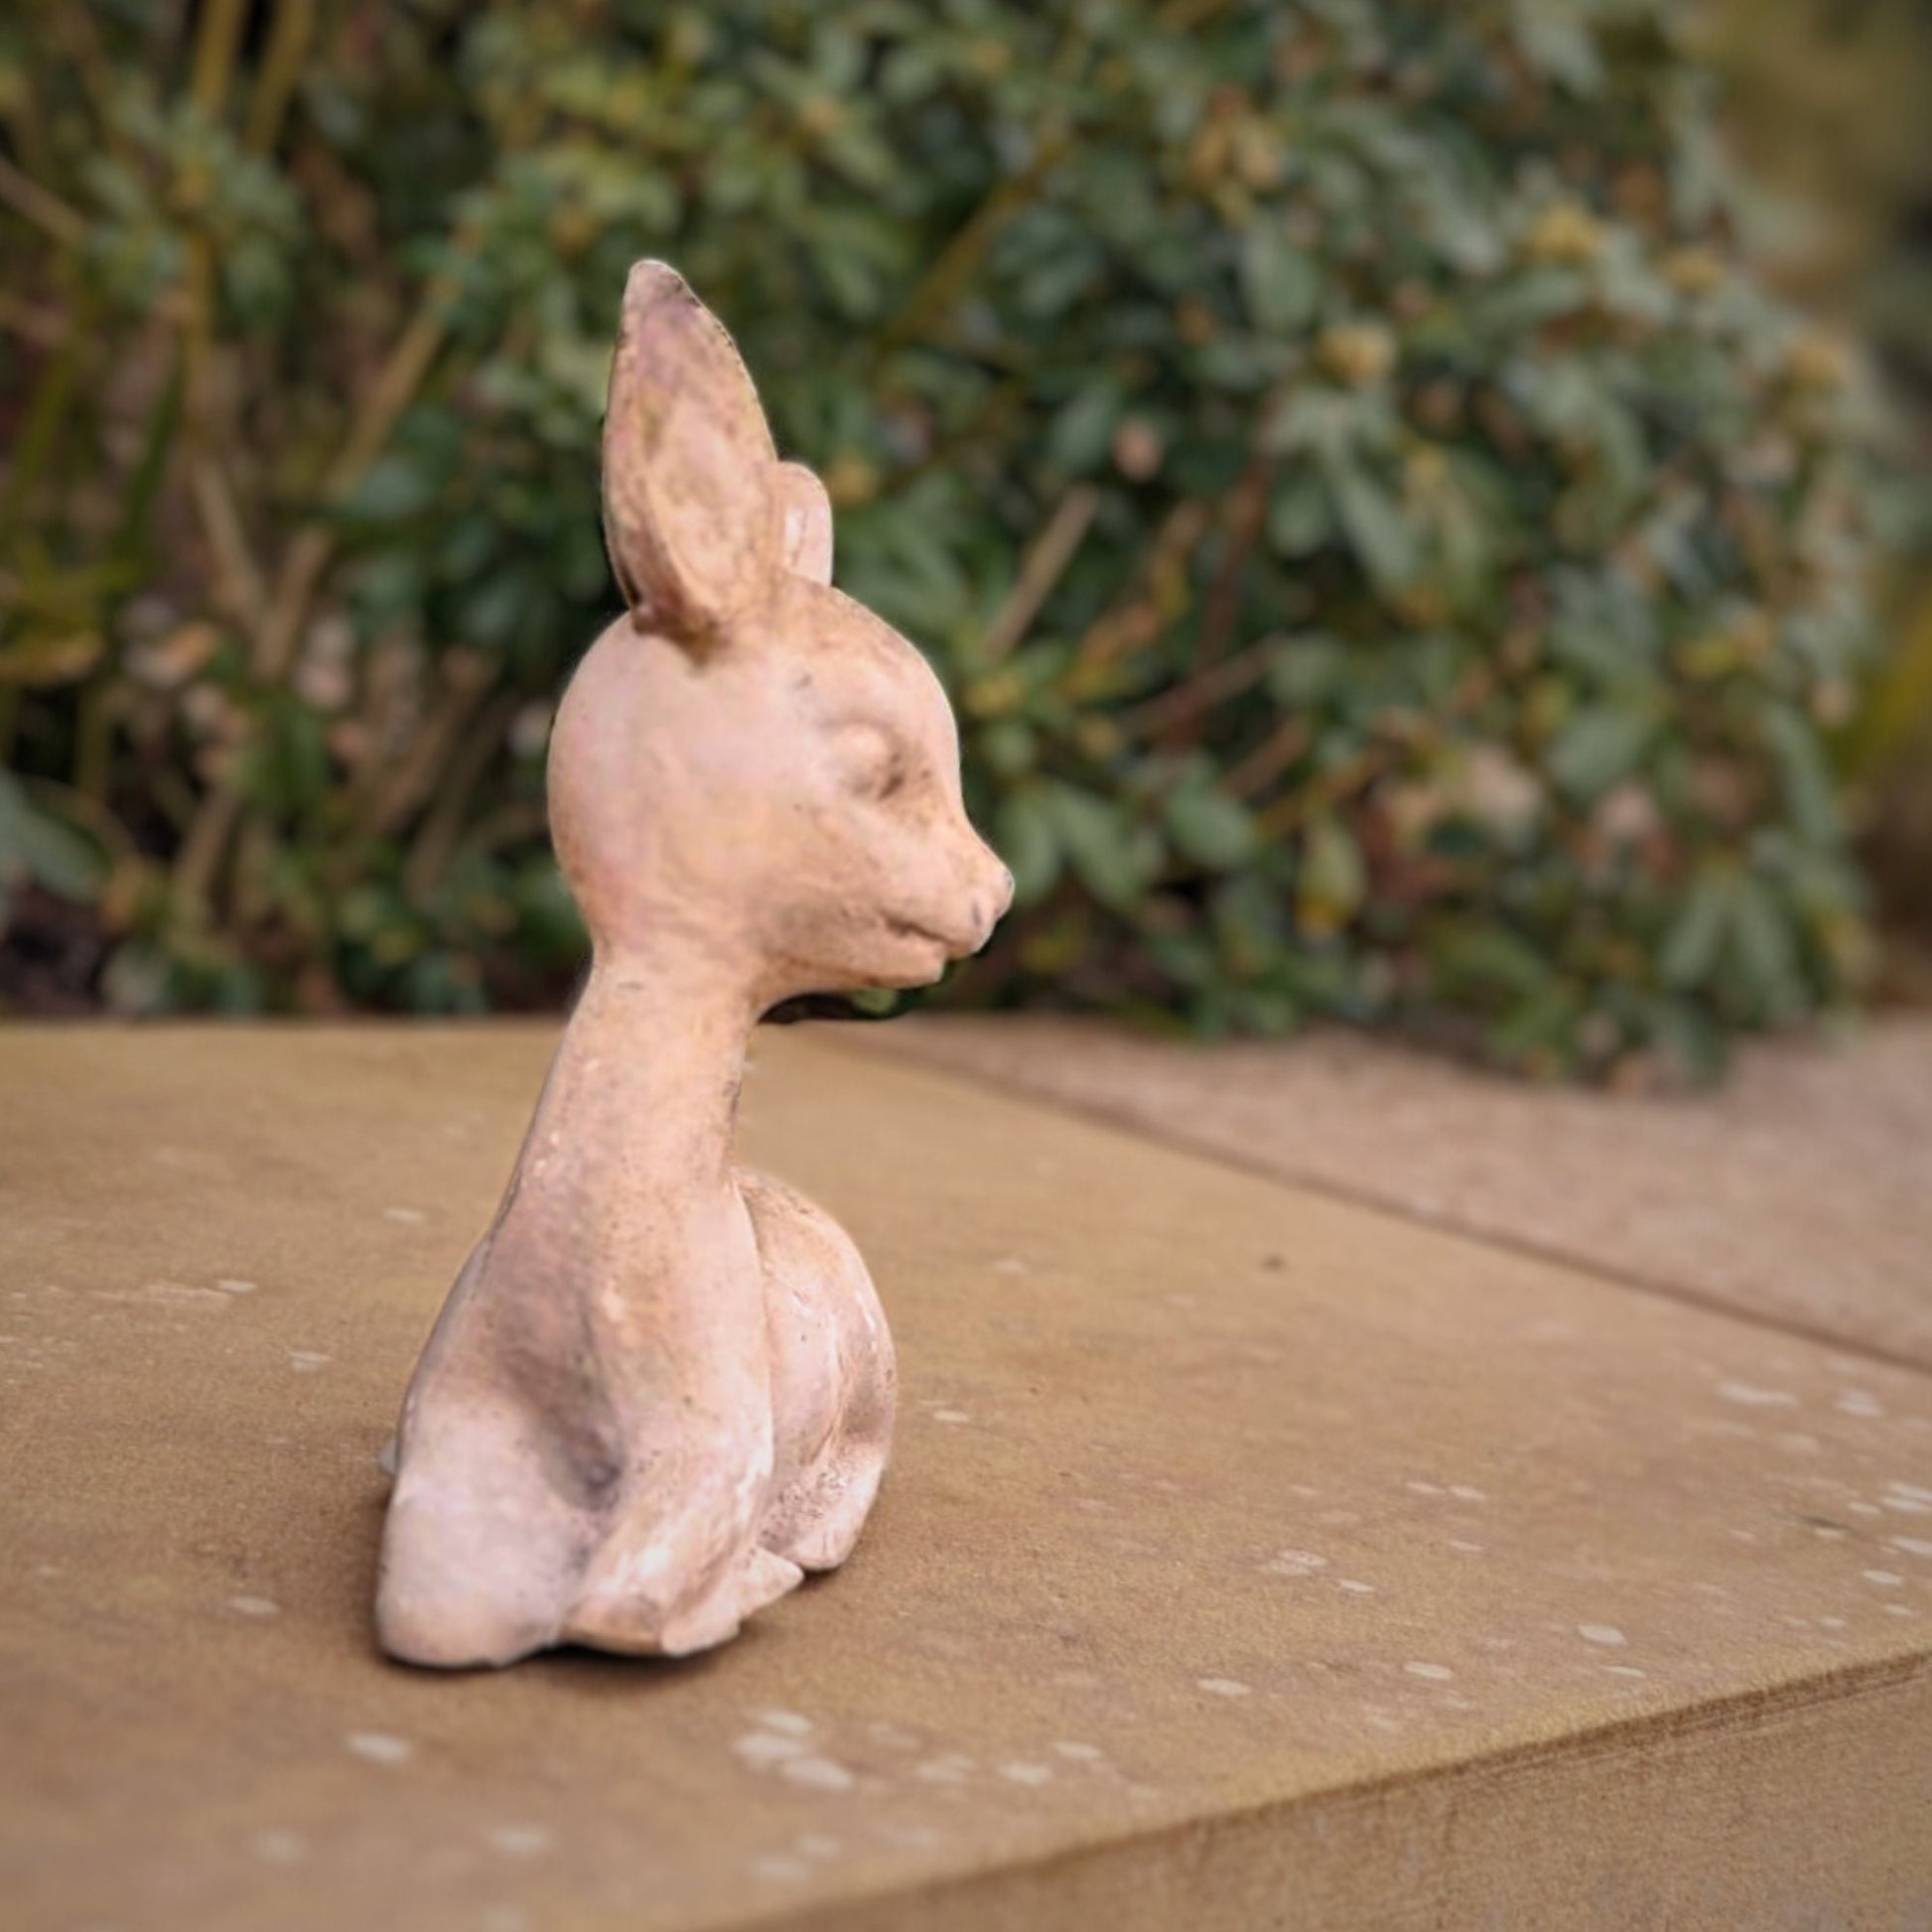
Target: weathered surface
(661, 1389)
(1799, 1192)
(1250, 1557)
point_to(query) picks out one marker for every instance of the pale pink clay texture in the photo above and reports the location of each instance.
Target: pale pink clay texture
(662, 1388)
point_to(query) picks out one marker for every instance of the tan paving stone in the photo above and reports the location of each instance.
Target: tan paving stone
(1250, 1557)
(1801, 1192)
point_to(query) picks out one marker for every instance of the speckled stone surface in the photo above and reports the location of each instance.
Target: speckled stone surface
(1249, 1559)
(1800, 1192)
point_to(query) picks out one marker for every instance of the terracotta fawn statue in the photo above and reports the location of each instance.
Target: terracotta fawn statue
(662, 1388)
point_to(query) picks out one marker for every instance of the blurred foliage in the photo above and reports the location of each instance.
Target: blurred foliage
(1830, 106)
(1391, 556)
(1890, 752)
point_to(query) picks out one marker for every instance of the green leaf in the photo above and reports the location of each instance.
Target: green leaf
(1802, 771)
(1687, 1036)
(1541, 1026)
(1483, 959)
(489, 613)
(1334, 880)
(1281, 283)
(1300, 520)
(1024, 834)
(393, 487)
(1599, 746)
(1010, 746)
(36, 845)
(1250, 920)
(911, 72)
(1209, 827)
(1311, 667)
(1559, 45)
(1377, 531)
(1762, 944)
(1080, 433)
(1690, 946)
(1114, 861)
(1232, 363)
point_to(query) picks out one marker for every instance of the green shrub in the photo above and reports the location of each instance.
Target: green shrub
(1391, 559)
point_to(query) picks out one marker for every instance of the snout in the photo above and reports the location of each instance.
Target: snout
(959, 919)
(991, 896)
(952, 919)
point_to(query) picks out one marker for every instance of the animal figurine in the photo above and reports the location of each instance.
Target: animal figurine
(662, 1388)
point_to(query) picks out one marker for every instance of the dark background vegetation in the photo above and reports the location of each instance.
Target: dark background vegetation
(1398, 492)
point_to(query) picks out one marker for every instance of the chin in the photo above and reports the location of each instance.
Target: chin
(904, 973)
(904, 961)
(902, 967)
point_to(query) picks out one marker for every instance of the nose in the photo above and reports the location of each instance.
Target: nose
(990, 902)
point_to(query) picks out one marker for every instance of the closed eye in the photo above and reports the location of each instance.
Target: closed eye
(872, 763)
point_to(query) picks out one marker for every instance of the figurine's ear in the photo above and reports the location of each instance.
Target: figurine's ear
(808, 514)
(691, 507)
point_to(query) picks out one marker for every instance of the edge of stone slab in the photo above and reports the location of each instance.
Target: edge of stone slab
(1453, 1226)
(995, 1896)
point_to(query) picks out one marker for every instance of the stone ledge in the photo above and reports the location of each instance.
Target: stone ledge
(1249, 1558)
(1799, 1193)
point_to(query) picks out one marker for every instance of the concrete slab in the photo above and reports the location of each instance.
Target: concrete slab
(1250, 1557)
(1800, 1193)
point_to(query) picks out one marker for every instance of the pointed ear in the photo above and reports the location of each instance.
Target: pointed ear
(808, 513)
(691, 502)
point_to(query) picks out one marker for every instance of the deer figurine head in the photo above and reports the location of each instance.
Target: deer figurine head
(750, 756)
(662, 1388)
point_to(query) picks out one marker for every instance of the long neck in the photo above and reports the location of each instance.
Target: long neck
(645, 1086)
